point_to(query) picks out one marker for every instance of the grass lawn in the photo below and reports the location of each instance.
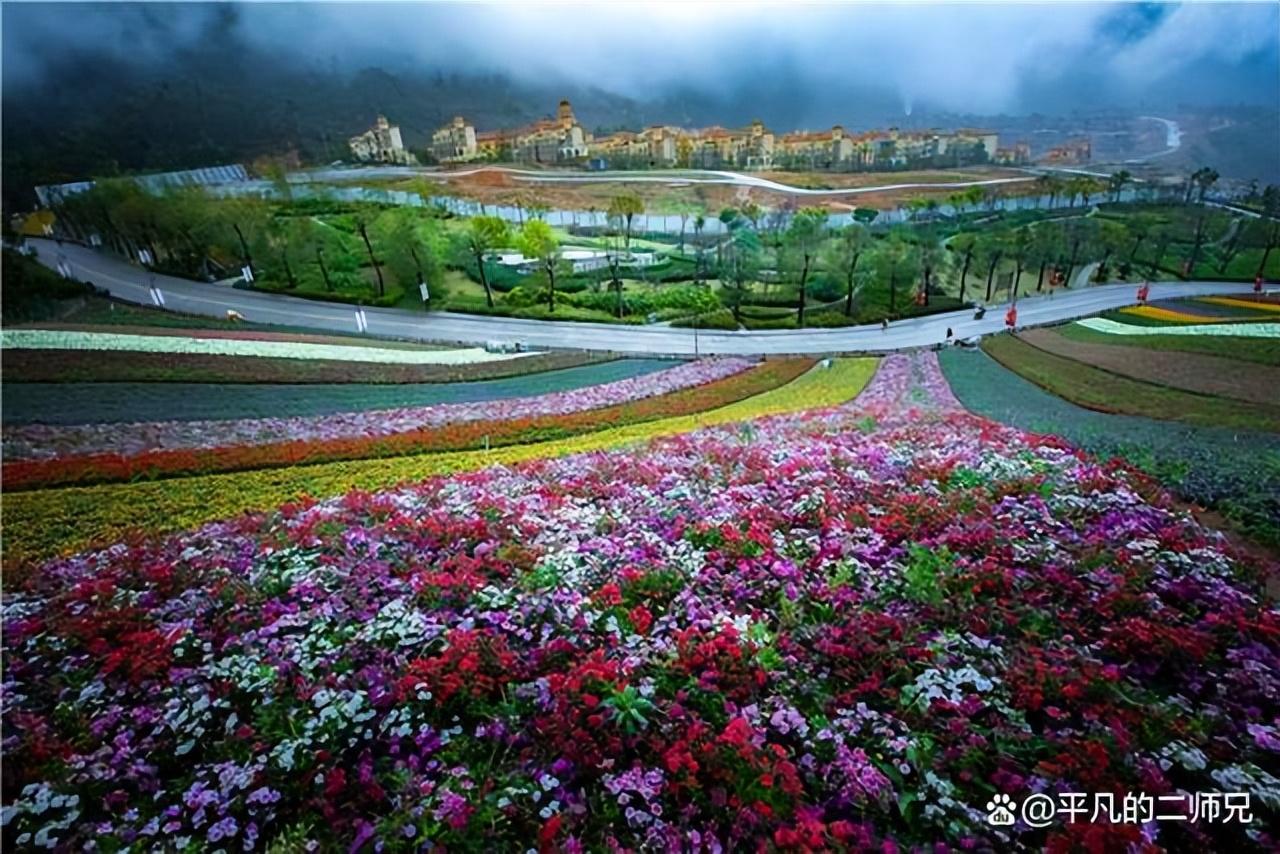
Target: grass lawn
(1097, 389)
(85, 403)
(1264, 351)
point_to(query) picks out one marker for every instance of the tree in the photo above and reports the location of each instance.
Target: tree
(964, 244)
(843, 257)
(803, 239)
(1140, 227)
(1197, 241)
(891, 259)
(373, 259)
(1201, 180)
(1273, 240)
(1045, 247)
(538, 241)
(1113, 237)
(1117, 182)
(1078, 234)
(991, 249)
(1018, 247)
(699, 223)
(930, 255)
(626, 205)
(741, 265)
(1163, 236)
(485, 234)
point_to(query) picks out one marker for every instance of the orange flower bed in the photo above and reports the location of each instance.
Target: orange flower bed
(107, 468)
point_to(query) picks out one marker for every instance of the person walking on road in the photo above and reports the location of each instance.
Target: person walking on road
(884, 324)
(949, 334)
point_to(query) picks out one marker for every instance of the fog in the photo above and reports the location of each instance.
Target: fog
(960, 57)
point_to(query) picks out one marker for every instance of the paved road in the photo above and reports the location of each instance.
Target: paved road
(128, 282)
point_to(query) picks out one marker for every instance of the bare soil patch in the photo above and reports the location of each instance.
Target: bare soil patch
(1194, 372)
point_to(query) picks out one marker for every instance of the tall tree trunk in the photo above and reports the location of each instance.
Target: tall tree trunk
(928, 273)
(244, 246)
(1195, 248)
(1071, 264)
(382, 288)
(964, 274)
(991, 273)
(1133, 253)
(484, 277)
(1040, 279)
(1017, 275)
(324, 271)
(848, 299)
(1271, 244)
(288, 271)
(1159, 256)
(551, 286)
(417, 264)
(804, 277)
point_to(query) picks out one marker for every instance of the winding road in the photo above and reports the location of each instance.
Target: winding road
(130, 283)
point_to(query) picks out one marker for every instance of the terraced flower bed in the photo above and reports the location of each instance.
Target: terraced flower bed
(54, 521)
(222, 345)
(554, 423)
(88, 403)
(1152, 327)
(1264, 351)
(804, 633)
(1236, 472)
(46, 441)
(1211, 375)
(1107, 392)
(72, 366)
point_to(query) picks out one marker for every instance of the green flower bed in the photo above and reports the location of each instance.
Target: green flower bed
(1234, 471)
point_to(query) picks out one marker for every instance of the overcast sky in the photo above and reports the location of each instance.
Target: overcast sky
(970, 57)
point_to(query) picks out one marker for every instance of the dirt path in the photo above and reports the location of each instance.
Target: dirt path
(1192, 372)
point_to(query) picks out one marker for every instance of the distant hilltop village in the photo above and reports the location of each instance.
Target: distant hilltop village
(564, 141)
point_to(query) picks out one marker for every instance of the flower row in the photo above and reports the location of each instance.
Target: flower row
(62, 339)
(468, 435)
(63, 440)
(54, 521)
(1242, 330)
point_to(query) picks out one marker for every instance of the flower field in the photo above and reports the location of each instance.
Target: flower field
(1099, 389)
(840, 626)
(1246, 330)
(1236, 472)
(84, 403)
(81, 366)
(54, 339)
(467, 433)
(1263, 351)
(48, 441)
(54, 521)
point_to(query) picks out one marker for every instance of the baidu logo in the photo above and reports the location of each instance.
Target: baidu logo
(1000, 811)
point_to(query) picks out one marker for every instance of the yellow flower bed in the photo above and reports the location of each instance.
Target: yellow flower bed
(1155, 313)
(1243, 303)
(47, 522)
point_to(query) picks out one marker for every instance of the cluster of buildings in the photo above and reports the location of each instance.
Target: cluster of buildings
(381, 144)
(564, 140)
(1070, 153)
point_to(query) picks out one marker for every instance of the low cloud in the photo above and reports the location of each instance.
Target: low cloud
(957, 56)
